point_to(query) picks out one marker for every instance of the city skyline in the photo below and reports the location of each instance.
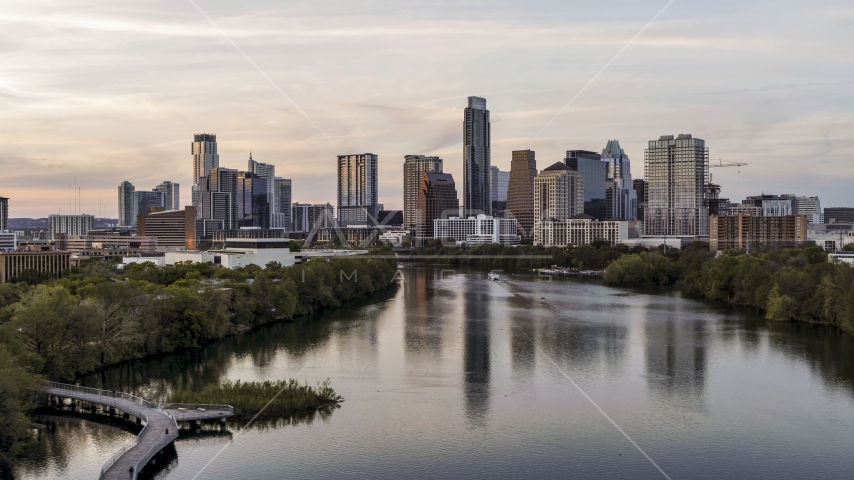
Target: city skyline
(64, 117)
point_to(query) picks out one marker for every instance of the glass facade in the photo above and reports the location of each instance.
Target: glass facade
(476, 158)
(676, 171)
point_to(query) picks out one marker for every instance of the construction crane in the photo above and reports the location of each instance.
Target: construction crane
(724, 163)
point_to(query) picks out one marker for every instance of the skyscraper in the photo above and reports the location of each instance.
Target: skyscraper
(146, 200)
(520, 192)
(268, 172)
(4, 214)
(224, 180)
(437, 198)
(558, 195)
(640, 193)
(476, 158)
(173, 199)
(413, 167)
(253, 209)
(205, 156)
(594, 172)
(676, 171)
(127, 205)
(310, 218)
(621, 199)
(357, 189)
(811, 207)
(282, 194)
(498, 184)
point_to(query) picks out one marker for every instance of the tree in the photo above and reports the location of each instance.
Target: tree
(41, 323)
(110, 307)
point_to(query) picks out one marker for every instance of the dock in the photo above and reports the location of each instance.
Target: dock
(161, 422)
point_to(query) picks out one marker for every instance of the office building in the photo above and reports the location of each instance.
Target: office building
(357, 189)
(172, 192)
(778, 205)
(253, 208)
(520, 192)
(146, 200)
(268, 173)
(621, 201)
(811, 207)
(282, 194)
(676, 171)
(558, 195)
(215, 200)
(498, 184)
(594, 172)
(476, 158)
(437, 198)
(413, 167)
(205, 156)
(70, 224)
(390, 218)
(640, 192)
(4, 214)
(127, 205)
(581, 229)
(8, 241)
(477, 229)
(52, 262)
(839, 215)
(746, 232)
(716, 204)
(309, 218)
(174, 229)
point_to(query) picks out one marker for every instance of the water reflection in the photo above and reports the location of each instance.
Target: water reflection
(476, 336)
(675, 354)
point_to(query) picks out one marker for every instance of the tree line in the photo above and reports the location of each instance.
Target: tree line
(787, 284)
(97, 316)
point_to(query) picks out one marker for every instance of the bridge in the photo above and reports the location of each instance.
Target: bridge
(161, 422)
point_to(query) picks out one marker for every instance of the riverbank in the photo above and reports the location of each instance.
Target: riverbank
(96, 317)
(786, 285)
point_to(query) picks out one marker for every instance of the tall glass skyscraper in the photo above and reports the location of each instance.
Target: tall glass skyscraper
(676, 171)
(127, 205)
(172, 191)
(205, 156)
(498, 184)
(476, 158)
(520, 192)
(594, 172)
(357, 189)
(621, 201)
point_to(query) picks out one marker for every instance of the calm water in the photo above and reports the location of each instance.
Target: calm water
(463, 377)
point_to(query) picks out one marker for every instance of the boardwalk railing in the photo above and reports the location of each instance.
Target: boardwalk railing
(141, 401)
(146, 409)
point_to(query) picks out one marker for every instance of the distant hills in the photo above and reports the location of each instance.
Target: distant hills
(41, 223)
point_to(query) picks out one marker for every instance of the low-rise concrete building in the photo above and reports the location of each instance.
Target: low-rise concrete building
(479, 229)
(580, 229)
(13, 263)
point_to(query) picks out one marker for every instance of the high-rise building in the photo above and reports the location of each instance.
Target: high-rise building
(146, 200)
(437, 198)
(282, 194)
(413, 167)
(311, 218)
(676, 171)
(594, 172)
(70, 224)
(268, 172)
(476, 158)
(173, 198)
(621, 201)
(4, 214)
(811, 207)
(640, 192)
(215, 199)
(778, 206)
(558, 195)
(839, 214)
(205, 156)
(357, 189)
(127, 205)
(498, 185)
(520, 192)
(253, 209)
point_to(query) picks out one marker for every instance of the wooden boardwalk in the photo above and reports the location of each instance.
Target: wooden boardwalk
(161, 424)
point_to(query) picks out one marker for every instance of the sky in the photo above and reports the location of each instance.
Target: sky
(99, 92)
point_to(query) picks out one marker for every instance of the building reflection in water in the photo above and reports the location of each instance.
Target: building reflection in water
(476, 345)
(676, 355)
(424, 318)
